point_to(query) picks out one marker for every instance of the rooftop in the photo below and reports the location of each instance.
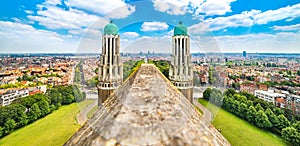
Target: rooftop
(147, 110)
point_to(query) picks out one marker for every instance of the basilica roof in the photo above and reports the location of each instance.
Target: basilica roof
(147, 110)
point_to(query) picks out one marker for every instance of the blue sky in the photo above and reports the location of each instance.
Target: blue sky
(214, 25)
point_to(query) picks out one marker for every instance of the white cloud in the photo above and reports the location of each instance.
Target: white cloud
(16, 19)
(197, 7)
(288, 12)
(247, 19)
(287, 28)
(153, 26)
(28, 11)
(244, 19)
(169, 7)
(130, 35)
(215, 7)
(17, 37)
(111, 8)
(72, 19)
(52, 2)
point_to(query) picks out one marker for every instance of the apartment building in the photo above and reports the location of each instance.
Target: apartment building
(8, 97)
(282, 100)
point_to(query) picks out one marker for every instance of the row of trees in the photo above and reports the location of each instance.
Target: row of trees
(78, 70)
(256, 111)
(92, 82)
(284, 83)
(163, 66)
(28, 109)
(27, 77)
(130, 66)
(127, 68)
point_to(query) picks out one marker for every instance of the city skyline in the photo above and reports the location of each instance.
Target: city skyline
(71, 26)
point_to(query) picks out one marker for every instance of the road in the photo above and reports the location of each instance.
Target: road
(90, 95)
(82, 116)
(71, 79)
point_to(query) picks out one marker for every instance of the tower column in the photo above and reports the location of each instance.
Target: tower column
(181, 67)
(111, 74)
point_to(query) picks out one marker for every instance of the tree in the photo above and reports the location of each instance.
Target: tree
(235, 107)
(277, 111)
(242, 110)
(229, 91)
(55, 97)
(34, 113)
(240, 97)
(282, 122)
(92, 82)
(297, 126)
(44, 107)
(206, 93)
(216, 98)
(1, 132)
(261, 120)
(298, 72)
(249, 103)
(9, 126)
(225, 103)
(272, 117)
(258, 107)
(69, 98)
(249, 96)
(163, 66)
(251, 114)
(290, 134)
(79, 96)
(22, 119)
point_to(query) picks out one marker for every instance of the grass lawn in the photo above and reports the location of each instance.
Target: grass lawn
(239, 132)
(84, 104)
(54, 129)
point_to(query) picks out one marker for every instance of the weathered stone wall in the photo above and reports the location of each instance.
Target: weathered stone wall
(103, 94)
(147, 110)
(188, 93)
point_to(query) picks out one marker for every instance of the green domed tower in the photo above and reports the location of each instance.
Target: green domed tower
(181, 69)
(180, 29)
(110, 66)
(111, 29)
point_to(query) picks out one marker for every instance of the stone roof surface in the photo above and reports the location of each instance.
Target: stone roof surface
(147, 110)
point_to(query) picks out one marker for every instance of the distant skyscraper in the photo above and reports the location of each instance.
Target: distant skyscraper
(181, 70)
(244, 54)
(110, 66)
